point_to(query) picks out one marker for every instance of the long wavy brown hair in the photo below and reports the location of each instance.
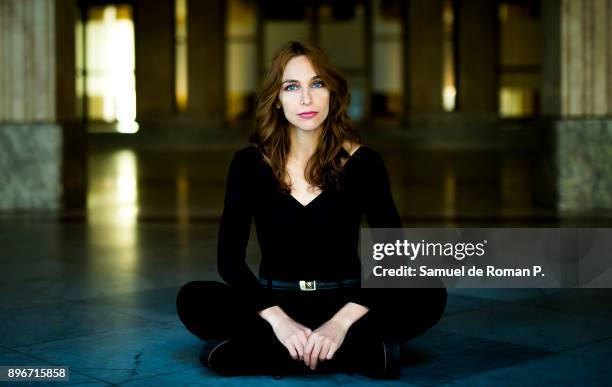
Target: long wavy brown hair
(271, 134)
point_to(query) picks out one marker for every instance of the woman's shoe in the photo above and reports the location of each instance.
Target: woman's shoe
(210, 346)
(393, 364)
(376, 359)
(236, 357)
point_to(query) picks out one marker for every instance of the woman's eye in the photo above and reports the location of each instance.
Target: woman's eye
(318, 85)
(291, 87)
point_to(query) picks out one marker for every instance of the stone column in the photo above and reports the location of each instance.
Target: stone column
(577, 96)
(477, 83)
(206, 62)
(38, 127)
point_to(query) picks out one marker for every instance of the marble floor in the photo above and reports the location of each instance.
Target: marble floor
(97, 292)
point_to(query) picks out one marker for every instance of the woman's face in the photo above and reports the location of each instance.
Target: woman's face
(303, 96)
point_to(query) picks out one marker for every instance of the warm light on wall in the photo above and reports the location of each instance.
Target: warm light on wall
(516, 101)
(449, 90)
(181, 81)
(448, 98)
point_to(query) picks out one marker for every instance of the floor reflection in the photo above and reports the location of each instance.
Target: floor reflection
(450, 193)
(113, 206)
(112, 195)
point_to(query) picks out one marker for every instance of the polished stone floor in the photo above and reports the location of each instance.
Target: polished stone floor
(97, 294)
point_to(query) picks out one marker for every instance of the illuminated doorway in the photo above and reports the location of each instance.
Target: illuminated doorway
(106, 82)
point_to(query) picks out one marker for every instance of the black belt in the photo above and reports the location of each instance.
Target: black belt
(309, 285)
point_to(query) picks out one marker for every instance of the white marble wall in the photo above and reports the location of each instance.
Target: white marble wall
(30, 167)
(584, 163)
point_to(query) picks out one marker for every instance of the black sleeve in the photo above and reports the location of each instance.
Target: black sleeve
(379, 205)
(234, 232)
(380, 209)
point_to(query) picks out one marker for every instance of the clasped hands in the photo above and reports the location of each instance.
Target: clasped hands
(307, 345)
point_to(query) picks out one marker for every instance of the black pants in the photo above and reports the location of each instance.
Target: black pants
(213, 310)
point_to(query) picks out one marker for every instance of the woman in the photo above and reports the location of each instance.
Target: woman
(307, 182)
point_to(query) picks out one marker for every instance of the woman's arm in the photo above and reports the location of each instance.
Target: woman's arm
(349, 313)
(380, 209)
(379, 206)
(345, 317)
(234, 232)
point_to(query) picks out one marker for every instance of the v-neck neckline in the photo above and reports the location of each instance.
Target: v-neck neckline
(311, 200)
(324, 191)
(315, 199)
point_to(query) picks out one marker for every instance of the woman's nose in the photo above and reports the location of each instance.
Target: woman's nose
(306, 97)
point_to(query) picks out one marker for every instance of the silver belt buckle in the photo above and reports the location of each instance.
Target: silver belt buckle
(308, 285)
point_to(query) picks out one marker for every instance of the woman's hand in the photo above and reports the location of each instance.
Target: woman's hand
(292, 335)
(289, 332)
(324, 342)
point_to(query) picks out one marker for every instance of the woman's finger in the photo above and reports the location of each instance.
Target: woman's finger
(292, 351)
(324, 350)
(299, 347)
(308, 350)
(314, 356)
(332, 351)
(303, 339)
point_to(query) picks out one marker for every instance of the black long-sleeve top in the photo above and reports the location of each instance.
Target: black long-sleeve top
(317, 241)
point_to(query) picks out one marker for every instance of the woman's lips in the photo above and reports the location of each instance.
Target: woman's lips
(307, 115)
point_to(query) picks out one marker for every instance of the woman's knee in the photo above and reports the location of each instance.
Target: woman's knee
(193, 291)
(198, 317)
(186, 293)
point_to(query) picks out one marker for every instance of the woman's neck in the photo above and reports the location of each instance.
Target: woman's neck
(303, 144)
